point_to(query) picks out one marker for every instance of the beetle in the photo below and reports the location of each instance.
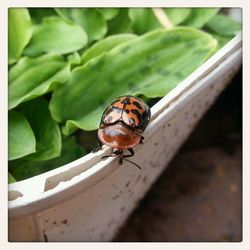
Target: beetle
(122, 124)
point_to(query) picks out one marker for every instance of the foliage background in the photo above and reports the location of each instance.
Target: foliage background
(66, 65)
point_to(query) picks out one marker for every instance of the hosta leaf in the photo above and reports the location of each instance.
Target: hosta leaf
(74, 59)
(177, 15)
(56, 36)
(19, 32)
(222, 40)
(108, 13)
(200, 16)
(223, 25)
(143, 20)
(31, 78)
(151, 65)
(37, 14)
(120, 24)
(64, 13)
(105, 45)
(46, 130)
(21, 139)
(89, 19)
(22, 168)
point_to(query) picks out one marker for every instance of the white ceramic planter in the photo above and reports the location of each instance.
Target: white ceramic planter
(89, 199)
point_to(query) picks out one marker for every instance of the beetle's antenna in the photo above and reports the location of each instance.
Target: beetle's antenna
(121, 159)
(133, 163)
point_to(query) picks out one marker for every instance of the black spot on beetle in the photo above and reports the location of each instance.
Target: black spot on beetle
(137, 104)
(126, 101)
(136, 112)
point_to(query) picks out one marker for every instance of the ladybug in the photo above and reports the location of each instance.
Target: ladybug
(121, 126)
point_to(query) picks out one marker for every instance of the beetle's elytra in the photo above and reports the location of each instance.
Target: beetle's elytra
(121, 125)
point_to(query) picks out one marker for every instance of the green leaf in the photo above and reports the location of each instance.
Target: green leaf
(120, 24)
(56, 36)
(89, 19)
(11, 179)
(106, 45)
(177, 15)
(21, 140)
(223, 25)
(22, 168)
(74, 58)
(38, 14)
(200, 16)
(108, 13)
(151, 65)
(143, 20)
(46, 130)
(222, 40)
(31, 78)
(19, 32)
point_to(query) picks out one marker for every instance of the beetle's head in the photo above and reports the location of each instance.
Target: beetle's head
(117, 151)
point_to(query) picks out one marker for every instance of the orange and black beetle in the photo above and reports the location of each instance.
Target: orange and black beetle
(121, 125)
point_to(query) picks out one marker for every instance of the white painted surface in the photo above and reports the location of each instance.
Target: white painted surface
(89, 199)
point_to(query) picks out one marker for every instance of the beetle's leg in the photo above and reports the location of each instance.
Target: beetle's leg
(131, 153)
(107, 156)
(115, 152)
(98, 148)
(126, 156)
(141, 140)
